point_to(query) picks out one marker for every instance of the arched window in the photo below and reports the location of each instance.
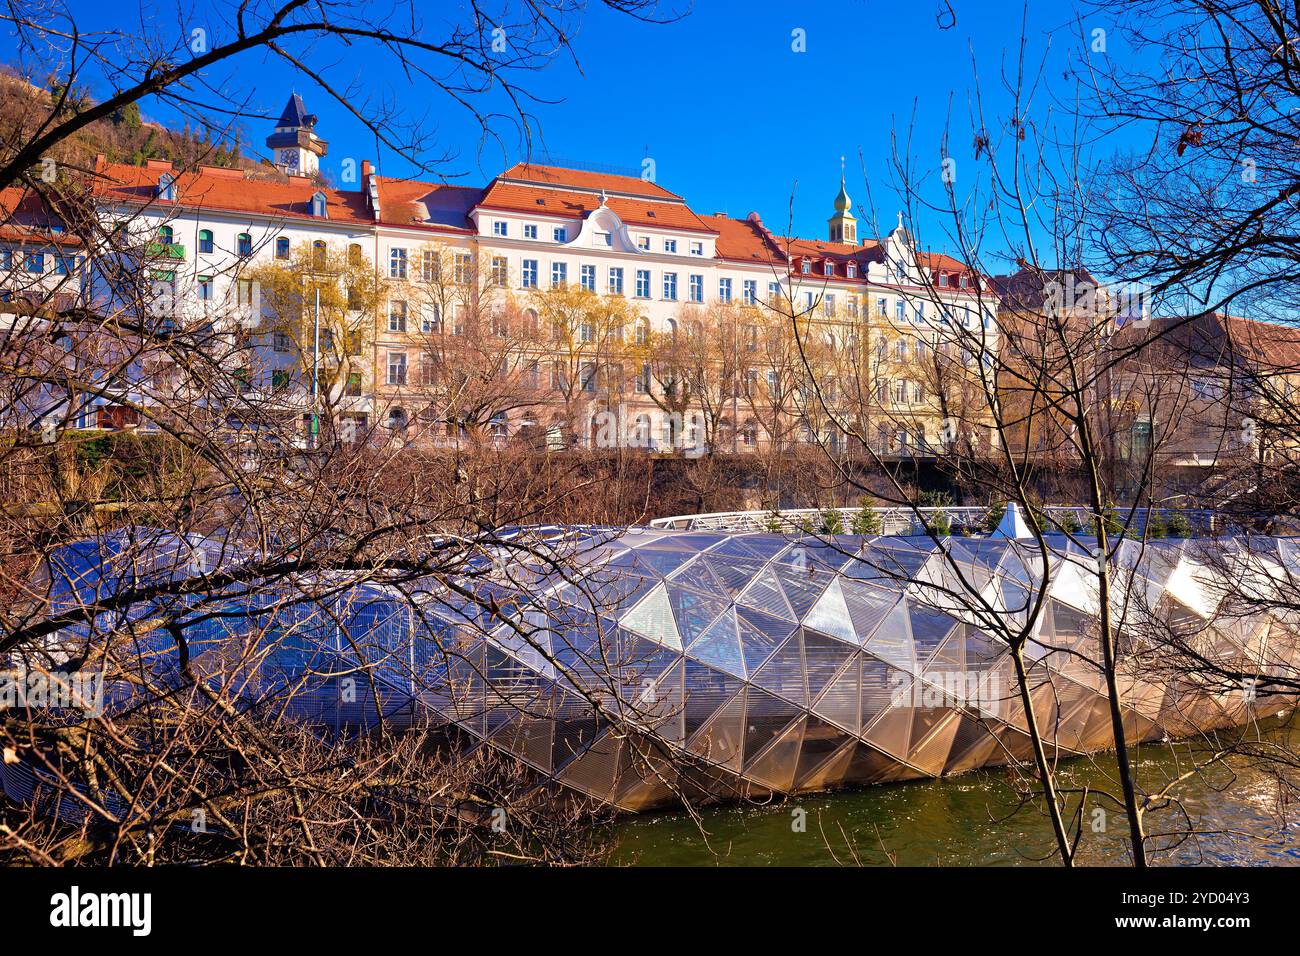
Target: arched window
(318, 252)
(165, 234)
(167, 187)
(354, 254)
(397, 421)
(244, 244)
(205, 240)
(282, 247)
(530, 321)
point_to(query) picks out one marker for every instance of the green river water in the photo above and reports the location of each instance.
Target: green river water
(967, 820)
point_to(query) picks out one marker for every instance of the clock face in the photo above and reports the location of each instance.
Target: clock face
(290, 158)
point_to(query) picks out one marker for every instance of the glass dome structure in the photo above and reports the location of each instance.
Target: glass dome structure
(640, 666)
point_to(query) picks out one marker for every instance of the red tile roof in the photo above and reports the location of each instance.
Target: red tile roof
(516, 197)
(405, 202)
(228, 190)
(581, 179)
(26, 217)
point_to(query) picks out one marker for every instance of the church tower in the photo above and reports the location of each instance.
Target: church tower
(843, 226)
(296, 147)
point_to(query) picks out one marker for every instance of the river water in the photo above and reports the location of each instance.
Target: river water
(1241, 814)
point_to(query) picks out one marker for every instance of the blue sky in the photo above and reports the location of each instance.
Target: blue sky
(734, 119)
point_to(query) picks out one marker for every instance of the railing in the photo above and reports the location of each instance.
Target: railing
(913, 521)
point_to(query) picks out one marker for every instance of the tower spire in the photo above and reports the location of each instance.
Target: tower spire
(843, 226)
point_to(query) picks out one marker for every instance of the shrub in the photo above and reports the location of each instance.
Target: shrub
(941, 524)
(866, 522)
(1156, 527)
(832, 522)
(1179, 526)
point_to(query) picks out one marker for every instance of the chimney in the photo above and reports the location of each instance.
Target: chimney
(366, 170)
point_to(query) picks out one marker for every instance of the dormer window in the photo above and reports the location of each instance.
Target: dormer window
(852, 270)
(963, 282)
(319, 208)
(828, 269)
(943, 280)
(167, 187)
(805, 266)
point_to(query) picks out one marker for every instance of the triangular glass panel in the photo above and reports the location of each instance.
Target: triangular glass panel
(760, 635)
(830, 615)
(784, 673)
(652, 617)
(766, 595)
(823, 659)
(719, 646)
(892, 641)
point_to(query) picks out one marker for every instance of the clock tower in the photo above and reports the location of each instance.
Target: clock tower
(295, 147)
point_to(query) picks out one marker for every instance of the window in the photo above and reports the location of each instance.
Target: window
(642, 384)
(962, 282)
(749, 291)
(530, 230)
(282, 247)
(205, 240)
(397, 263)
(355, 255)
(528, 274)
(643, 283)
(900, 310)
(851, 270)
(670, 286)
(559, 274)
(919, 313)
(882, 308)
(828, 269)
(397, 315)
(500, 271)
(642, 331)
(167, 187)
(615, 280)
(900, 350)
(695, 288)
(35, 262)
(244, 292)
(828, 305)
(318, 252)
(205, 288)
(428, 369)
(773, 292)
(805, 266)
(280, 379)
(462, 268)
(560, 233)
(670, 245)
(697, 248)
(587, 277)
(751, 338)
(500, 228)
(602, 239)
(430, 266)
(851, 304)
(430, 319)
(319, 207)
(943, 280)
(353, 387)
(396, 368)
(165, 235)
(65, 263)
(900, 392)
(280, 341)
(724, 290)
(586, 331)
(643, 243)
(244, 244)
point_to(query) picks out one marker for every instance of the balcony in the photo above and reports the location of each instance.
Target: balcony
(165, 250)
